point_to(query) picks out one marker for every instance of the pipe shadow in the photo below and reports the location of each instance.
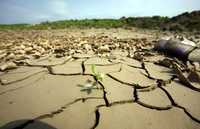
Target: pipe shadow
(27, 124)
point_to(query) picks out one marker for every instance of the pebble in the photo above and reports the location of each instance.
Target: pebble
(79, 51)
(22, 47)
(8, 66)
(11, 56)
(29, 50)
(87, 47)
(1, 52)
(21, 57)
(103, 49)
(20, 52)
(2, 55)
(37, 55)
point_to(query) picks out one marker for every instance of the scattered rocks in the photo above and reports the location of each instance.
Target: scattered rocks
(36, 45)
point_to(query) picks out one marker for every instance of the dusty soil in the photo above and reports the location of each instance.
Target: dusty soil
(47, 81)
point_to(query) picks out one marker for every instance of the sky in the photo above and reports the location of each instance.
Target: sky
(36, 11)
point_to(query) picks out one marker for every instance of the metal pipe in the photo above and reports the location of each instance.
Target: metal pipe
(178, 49)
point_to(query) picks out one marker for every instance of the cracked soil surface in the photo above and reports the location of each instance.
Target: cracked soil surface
(136, 92)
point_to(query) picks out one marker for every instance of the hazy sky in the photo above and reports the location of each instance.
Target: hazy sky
(35, 11)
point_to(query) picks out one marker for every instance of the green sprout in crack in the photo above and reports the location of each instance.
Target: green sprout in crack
(99, 76)
(92, 85)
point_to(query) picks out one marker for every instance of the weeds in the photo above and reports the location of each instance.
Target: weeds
(92, 85)
(99, 76)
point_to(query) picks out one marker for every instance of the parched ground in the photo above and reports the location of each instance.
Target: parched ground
(94, 78)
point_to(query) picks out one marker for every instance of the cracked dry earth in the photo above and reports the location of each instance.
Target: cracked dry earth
(137, 92)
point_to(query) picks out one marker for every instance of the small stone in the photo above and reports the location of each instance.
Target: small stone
(22, 47)
(79, 51)
(28, 44)
(104, 48)
(8, 66)
(71, 52)
(20, 52)
(42, 50)
(87, 47)
(20, 57)
(29, 50)
(2, 52)
(2, 55)
(11, 56)
(117, 45)
(4, 81)
(37, 55)
(35, 47)
(130, 55)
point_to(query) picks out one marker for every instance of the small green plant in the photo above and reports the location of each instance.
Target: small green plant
(99, 76)
(92, 85)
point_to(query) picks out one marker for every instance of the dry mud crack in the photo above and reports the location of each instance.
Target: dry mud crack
(133, 94)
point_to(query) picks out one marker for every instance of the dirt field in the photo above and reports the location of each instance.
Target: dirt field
(94, 78)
